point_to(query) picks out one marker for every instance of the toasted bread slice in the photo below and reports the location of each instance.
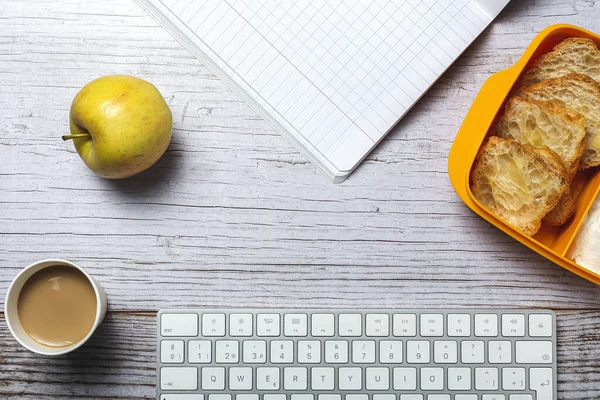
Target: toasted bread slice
(566, 205)
(545, 124)
(579, 93)
(571, 56)
(563, 211)
(515, 183)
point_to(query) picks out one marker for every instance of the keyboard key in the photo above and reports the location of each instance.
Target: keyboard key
(486, 325)
(322, 378)
(377, 378)
(219, 397)
(533, 352)
(240, 378)
(323, 324)
(255, 351)
(357, 397)
(472, 352)
(390, 352)
(540, 325)
(302, 397)
(330, 397)
(246, 396)
(179, 396)
(405, 325)
(520, 397)
(227, 351)
(486, 378)
(411, 397)
(295, 378)
(295, 324)
(513, 378)
(240, 324)
(499, 352)
(438, 397)
(466, 397)
(381, 396)
(377, 325)
(493, 397)
(213, 378)
(267, 325)
(267, 378)
(350, 325)
(213, 325)
(199, 351)
(541, 380)
(432, 325)
(179, 378)
(417, 352)
(282, 352)
(459, 325)
(179, 324)
(405, 378)
(363, 352)
(309, 351)
(336, 351)
(513, 325)
(445, 352)
(274, 397)
(350, 379)
(171, 351)
(459, 379)
(432, 378)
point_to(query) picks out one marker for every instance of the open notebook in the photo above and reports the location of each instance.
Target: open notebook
(332, 76)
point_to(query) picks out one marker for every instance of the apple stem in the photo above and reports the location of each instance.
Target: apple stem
(75, 136)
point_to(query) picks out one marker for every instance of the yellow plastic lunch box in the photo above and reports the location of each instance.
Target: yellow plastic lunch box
(551, 242)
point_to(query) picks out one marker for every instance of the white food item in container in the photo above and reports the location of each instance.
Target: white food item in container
(585, 250)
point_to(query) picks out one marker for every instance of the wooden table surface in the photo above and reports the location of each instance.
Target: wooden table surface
(233, 216)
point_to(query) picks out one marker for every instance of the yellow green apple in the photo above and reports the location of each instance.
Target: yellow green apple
(120, 125)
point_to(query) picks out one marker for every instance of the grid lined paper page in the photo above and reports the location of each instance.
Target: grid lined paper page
(336, 75)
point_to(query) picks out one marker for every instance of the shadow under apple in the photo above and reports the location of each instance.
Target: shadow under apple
(155, 179)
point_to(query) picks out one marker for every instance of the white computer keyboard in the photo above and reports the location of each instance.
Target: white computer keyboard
(290, 354)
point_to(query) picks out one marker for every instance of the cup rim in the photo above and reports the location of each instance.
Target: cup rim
(52, 262)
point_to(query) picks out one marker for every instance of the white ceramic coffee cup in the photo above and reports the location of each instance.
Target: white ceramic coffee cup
(12, 317)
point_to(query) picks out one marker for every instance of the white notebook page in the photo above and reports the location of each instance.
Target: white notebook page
(333, 76)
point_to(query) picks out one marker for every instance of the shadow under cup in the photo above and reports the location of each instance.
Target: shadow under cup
(12, 316)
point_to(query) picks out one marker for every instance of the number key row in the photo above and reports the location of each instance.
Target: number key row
(357, 352)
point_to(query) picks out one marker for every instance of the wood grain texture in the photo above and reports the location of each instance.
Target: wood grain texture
(233, 215)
